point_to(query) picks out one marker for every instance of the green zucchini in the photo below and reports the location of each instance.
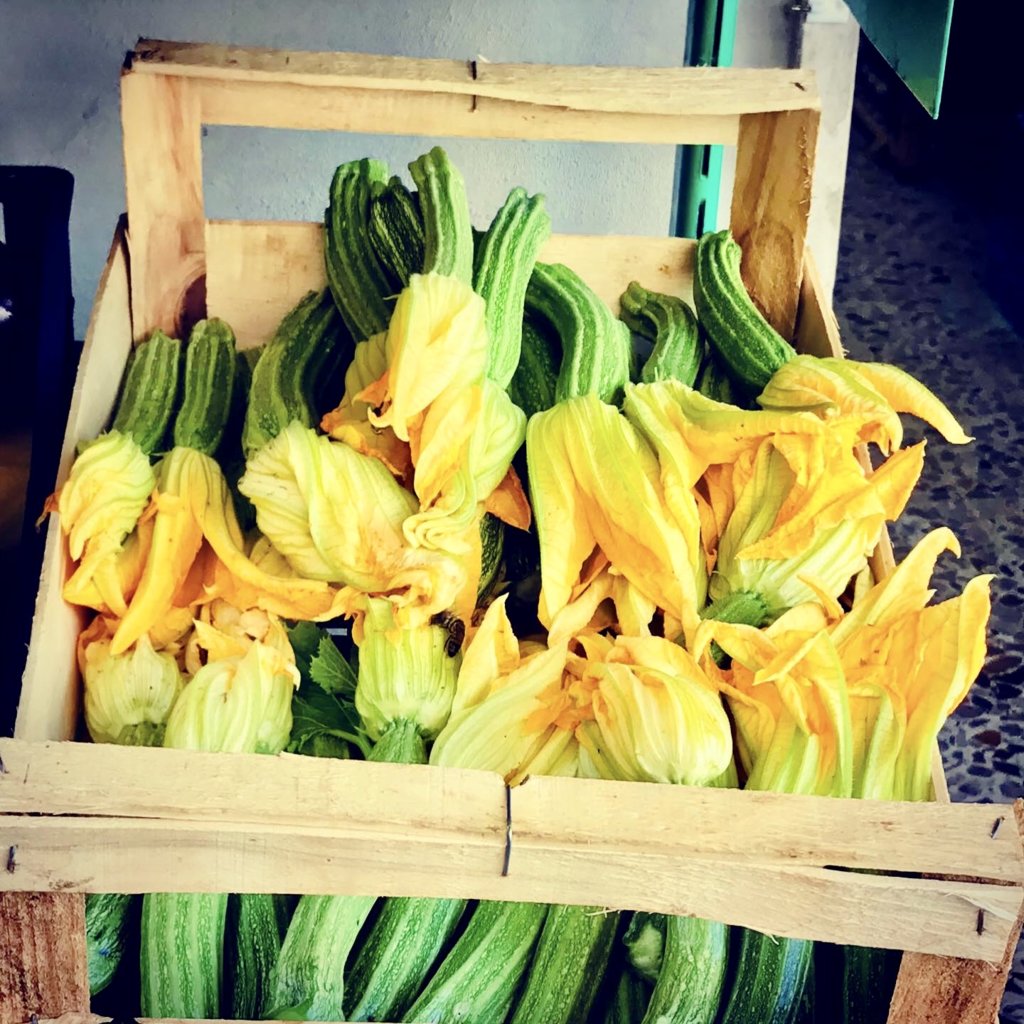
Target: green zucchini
(692, 972)
(869, 977)
(713, 381)
(503, 262)
(535, 381)
(357, 281)
(182, 954)
(309, 337)
(309, 975)
(149, 393)
(256, 926)
(596, 347)
(477, 981)
(105, 916)
(401, 743)
(571, 958)
(492, 545)
(669, 322)
(210, 364)
(448, 232)
(402, 947)
(769, 981)
(629, 999)
(746, 343)
(396, 231)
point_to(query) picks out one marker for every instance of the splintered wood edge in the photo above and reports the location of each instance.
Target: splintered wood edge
(673, 91)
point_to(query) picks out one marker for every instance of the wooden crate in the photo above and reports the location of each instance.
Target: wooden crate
(943, 882)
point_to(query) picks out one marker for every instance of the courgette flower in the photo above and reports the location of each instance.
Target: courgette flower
(339, 516)
(109, 487)
(920, 660)
(654, 714)
(405, 674)
(787, 691)
(128, 697)
(805, 519)
(239, 704)
(596, 483)
(869, 394)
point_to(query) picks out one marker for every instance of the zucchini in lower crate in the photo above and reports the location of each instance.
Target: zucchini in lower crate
(692, 972)
(105, 915)
(746, 343)
(769, 980)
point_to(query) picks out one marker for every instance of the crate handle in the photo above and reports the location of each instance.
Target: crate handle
(169, 90)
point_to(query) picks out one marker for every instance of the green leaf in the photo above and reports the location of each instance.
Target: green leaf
(331, 671)
(305, 639)
(316, 715)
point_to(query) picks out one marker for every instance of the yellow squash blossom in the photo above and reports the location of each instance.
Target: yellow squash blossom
(405, 674)
(106, 493)
(238, 704)
(805, 518)
(129, 696)
(338, 516)
(920, 659)
(596, 483)
(868, 394)
(788, 694)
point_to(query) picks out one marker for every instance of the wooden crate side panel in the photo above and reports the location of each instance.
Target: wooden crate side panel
(42, 955)
(50, 689)
(258, 270)
(683, 92)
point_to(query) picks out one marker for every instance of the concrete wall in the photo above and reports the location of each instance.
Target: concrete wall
(59, 103)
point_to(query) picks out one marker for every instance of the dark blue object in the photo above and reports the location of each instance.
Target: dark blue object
(39, 358)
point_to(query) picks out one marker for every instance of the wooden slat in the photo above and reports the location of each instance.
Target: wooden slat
(49, 698)
(952, 989)
(770, 206)
(258, 270)
(684, 92)
(289, 790)
(160, 122)
(271, 104)
(139, 855)
(42, 955)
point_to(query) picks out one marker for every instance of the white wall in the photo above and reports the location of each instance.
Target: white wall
(59, 64)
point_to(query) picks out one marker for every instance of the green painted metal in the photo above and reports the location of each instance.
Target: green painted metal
(913, 36)
(711, 32)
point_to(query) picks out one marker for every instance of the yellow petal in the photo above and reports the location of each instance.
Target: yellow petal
(492, 652)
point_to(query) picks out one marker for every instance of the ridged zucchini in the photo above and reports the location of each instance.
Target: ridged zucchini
(210, 365)
(492, 546)
(644, 940)
(402, 947)
(747, 344)
(769, 980)
(149, 394)
(567, 968)
(596, 346)
(308, 978)
(310, 337)
(105, 915)
(669, 322)
(444, 207)
(869, 977)
(503, 262)
(396, 231)
(692, 972)
(478, 979)
(358, 282)
(629, 1000)
(713, 381)
(182, 954)
(256, 927)
(535, 381)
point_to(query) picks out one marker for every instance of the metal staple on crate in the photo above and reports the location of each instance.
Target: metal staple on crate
(508, 831)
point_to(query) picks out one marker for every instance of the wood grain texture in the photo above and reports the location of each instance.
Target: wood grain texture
(771, 203)
(674, 90)
(954, 990)
(50, 688)
(272, 104)
(160, 122)
(42, 955)
(258, 270)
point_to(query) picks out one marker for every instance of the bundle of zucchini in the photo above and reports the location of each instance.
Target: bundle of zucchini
(273, 569)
